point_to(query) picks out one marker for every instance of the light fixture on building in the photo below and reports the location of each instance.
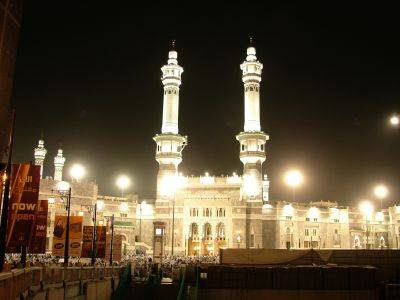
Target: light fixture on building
(63, 186)
(124, 207)
(288, 210)
(250, 186)
(313, 213)
(379, 216)
(367, 209)
(100, 204)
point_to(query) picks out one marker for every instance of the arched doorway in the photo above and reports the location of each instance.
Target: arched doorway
(193, 242)
(208, 247)
(220, 240)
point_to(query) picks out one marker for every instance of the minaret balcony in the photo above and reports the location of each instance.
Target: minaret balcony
(252, 135)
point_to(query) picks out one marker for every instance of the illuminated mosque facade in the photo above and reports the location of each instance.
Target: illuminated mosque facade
(206, 213)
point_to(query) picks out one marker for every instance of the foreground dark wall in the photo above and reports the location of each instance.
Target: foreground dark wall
(10, 25)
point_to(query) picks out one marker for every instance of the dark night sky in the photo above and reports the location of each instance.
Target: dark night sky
(88, 76)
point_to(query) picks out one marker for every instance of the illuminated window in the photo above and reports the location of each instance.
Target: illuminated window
(315, 219)
(306, 232)
(314, 232)
(308, 219)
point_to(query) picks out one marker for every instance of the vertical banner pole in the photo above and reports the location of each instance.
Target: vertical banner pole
(112, 240)
(6, 196)
(94, 235)
(66, 249)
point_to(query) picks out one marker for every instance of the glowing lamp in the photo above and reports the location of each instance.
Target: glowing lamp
(313, 213)
(367, 209)
(123, 182)
(77, 171)
(293, 178)
(394, 120)
(169, 184)
(381, 191)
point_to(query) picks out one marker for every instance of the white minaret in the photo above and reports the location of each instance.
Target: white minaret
(252, 139)
(40, 154)
(59, 162)
(169, 143)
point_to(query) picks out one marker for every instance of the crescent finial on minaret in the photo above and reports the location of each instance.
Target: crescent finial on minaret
(251, 40)
(173, 44)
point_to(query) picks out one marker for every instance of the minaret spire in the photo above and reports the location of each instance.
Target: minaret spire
(252, 139)
(59, 162)
(40, 154)
(170, 143)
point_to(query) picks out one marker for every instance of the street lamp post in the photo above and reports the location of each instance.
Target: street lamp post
(367, 209)
(140, 222)
(94, 218)
(64, 191)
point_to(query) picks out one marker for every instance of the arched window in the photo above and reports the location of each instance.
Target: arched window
(194, 229)
(207, 230)
(221, 230)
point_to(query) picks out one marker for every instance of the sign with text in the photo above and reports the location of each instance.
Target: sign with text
(88, 241)
(75, 235)
(117, 247)
(23, 207)
(38, 242)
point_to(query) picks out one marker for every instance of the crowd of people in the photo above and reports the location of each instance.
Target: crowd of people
(170, 267)
(141, 264)
(13, 261)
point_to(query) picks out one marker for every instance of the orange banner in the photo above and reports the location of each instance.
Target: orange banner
(117, 247)
(88, 241)
(75, 235)
(24, 207)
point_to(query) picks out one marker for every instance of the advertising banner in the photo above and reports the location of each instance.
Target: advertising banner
(101, 235)
(38, 242)
(117, 247)
(88, 241)
(75, 235)
(23, 207)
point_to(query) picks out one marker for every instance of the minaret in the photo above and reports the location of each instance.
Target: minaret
(40, 154)
(169, 143)
(59, 162)
(252, 140)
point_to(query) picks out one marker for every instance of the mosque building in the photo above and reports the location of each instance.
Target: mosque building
(204, 214)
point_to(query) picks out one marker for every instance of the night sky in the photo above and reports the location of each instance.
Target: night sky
(88, 76)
